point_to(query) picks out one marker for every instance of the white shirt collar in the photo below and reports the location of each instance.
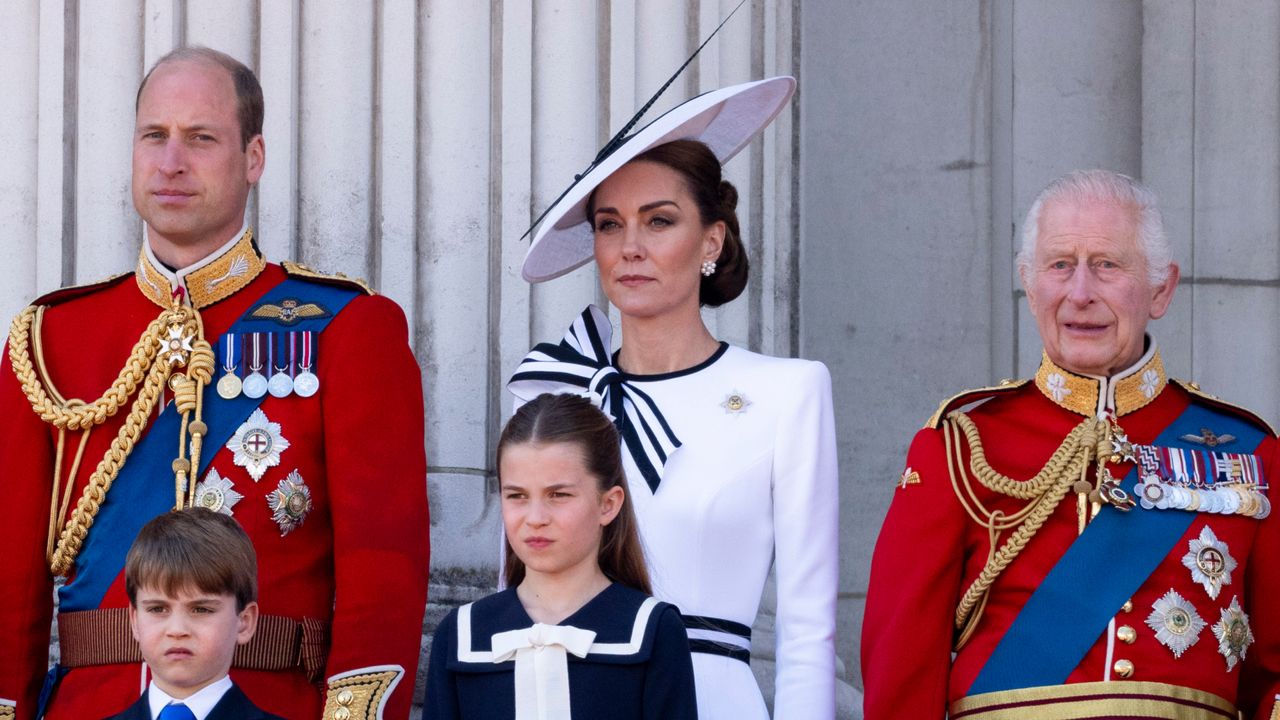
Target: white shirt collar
(176, 277)
(200, 703)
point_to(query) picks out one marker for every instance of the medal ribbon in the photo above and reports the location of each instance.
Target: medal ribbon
(1040, 648)
(255, 363)
(139, 493)
(306, 351)
(229, 364)
(581, 364)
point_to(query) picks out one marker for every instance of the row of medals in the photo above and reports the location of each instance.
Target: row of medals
(1235, 499)
(256, 385)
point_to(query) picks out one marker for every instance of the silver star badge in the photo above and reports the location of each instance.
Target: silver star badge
(735, 402)
(215, 493)
(1209, 562)
(257, 444)
(290, 503)
(1175, 622)
(1233, 633)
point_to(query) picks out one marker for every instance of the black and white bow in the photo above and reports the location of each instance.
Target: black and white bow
(581, 364)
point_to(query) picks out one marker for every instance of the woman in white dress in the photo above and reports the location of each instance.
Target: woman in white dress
(730, 455)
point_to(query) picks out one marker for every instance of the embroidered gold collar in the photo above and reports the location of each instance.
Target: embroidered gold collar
(214, 278)
(1089, 395)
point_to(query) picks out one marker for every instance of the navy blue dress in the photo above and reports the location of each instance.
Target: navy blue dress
(638, 667)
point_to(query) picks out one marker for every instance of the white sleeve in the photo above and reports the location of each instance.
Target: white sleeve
(805, 520)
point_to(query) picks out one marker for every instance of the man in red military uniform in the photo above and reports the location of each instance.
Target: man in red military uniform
(1096, 541)
(286, 399)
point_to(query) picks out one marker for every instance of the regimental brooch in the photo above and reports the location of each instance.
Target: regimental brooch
(1233, 633)
(257, 444)
(290, 503)
(1210, 562)
(215, 493)
(735, 402)
(1176, 623)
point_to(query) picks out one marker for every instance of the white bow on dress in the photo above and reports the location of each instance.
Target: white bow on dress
(541, 653)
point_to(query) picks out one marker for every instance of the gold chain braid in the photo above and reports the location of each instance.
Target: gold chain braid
(1082, 439)
(145, 365)
(1068, 464)
(104, 475)
(81, 416)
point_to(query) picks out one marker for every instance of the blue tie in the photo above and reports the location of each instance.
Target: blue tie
(176, 711)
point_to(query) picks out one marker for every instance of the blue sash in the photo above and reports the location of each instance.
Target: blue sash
(1070, 610)
(144, 487)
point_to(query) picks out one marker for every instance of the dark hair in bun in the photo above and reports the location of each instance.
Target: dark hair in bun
(717, 200)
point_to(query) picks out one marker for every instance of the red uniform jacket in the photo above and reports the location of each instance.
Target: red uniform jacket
(359, 559)
(929, 551)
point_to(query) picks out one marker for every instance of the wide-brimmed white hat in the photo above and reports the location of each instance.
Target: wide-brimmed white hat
(725, 119)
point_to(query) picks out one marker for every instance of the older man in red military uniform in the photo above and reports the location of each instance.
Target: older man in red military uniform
(286, 399)
(1095, 542)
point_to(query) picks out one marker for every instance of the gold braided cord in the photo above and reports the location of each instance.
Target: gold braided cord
(188, 399)
(59, 510)
(62, 414)
(1068, 465)
(40, 364)
(146, 365)
(77, 528)
(53, 500)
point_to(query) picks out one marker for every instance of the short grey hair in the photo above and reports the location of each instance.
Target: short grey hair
(1080, 186)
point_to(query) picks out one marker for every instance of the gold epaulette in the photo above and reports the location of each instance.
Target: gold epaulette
(7, 711)
(1220, 404)
(293, 269)
(969, 397)
(62, 295)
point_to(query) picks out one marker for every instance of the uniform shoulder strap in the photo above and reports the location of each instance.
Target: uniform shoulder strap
(302, 272)
(969, 397)
(72, 292)
(1230, 408)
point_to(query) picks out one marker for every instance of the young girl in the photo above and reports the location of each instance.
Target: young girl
(575, 634)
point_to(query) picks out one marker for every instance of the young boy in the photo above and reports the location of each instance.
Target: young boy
(192, 581)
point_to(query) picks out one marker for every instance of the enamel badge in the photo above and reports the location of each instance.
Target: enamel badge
(1210, 562)
(1175, 622)
(257, 444)
(290, 503)
(175, 348)
(215, 493)
(1233, 633)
